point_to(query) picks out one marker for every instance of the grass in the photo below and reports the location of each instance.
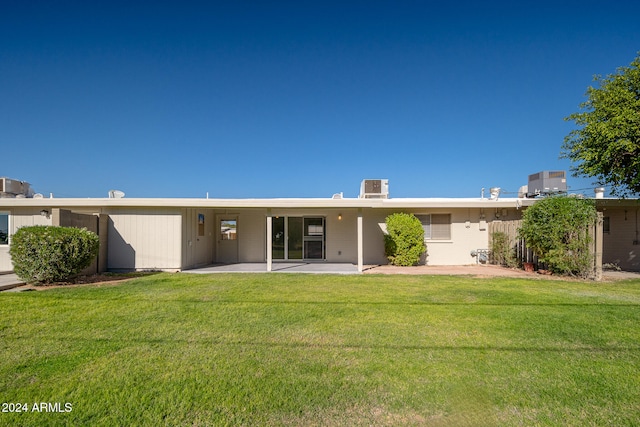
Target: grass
(285, 349)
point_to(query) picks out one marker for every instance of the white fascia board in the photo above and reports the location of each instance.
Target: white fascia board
(267, 203)
(183, 203)
(458, 203)
(610, 202)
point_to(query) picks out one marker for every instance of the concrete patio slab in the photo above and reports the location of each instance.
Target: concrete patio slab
(278, 267)
(9, 281)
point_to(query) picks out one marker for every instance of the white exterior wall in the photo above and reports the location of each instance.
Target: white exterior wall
(5, 259)
(251, 232)
(373, 237)
(145, 239)
(466, 235)
(252, 236)
(20, 217)
(163, 233)
(197, 250)
(342, 236)
(342, 244)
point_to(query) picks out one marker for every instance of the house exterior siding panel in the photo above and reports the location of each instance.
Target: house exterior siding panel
(19, 217)
(198, 239)
(252, 232)
(145, 239)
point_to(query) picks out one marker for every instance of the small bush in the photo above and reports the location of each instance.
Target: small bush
(404, 243)
(45, 254)
(502, 250)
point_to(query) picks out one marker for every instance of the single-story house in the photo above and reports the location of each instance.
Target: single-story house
(176, 234)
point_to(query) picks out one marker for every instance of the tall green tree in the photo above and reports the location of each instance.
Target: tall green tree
(606, 144)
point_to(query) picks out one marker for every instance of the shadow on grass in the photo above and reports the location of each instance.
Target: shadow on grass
(398, 303)
(391, 347)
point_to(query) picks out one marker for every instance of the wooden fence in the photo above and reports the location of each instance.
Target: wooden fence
(519, 248)
(95, 223)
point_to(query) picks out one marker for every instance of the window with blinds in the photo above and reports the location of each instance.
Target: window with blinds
(436, 226)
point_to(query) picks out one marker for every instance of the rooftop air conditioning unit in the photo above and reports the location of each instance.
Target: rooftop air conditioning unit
(374, 189)
(546, 183)
(13, 188)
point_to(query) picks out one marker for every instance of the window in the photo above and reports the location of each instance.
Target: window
(200, 224)
(606, 225)
(228, 229)
(4, 228)
(436, 226)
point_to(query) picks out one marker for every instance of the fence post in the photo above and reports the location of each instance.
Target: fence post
(597, 247)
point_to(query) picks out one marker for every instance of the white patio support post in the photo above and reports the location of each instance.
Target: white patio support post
(269, 240)
(360, 245)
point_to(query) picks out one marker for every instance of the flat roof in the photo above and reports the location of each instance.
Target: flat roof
(269, 203)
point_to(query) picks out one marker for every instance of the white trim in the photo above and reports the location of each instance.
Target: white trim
(269, 240)
(299, 203)
(360, 245)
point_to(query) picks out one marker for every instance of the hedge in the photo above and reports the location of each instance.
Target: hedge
(47, 254)
(557, 230)
(404, 241)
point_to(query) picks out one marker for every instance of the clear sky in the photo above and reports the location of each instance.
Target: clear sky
(298, 98)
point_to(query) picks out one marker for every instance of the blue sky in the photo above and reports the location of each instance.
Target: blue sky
(297, 99)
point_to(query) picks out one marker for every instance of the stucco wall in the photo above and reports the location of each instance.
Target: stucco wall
(168, 238)
(466, 234)
(342, 235)
(340, 228)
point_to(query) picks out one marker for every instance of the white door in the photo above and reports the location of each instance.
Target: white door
(227, 238)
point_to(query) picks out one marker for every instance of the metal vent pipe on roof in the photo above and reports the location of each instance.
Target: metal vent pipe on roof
(495, 193)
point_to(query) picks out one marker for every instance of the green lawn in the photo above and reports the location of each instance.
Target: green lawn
(284, 349)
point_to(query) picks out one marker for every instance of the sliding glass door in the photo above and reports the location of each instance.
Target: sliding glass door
(294, 233)
(278, 238)
(313, 240)
(298, 238)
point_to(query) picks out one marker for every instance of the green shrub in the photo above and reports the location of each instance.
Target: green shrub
(557, 230)
(502, 250)
(45, 254)
(404, 243)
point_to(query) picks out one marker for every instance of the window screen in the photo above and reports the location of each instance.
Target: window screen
(436, 226)
(441, 226)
